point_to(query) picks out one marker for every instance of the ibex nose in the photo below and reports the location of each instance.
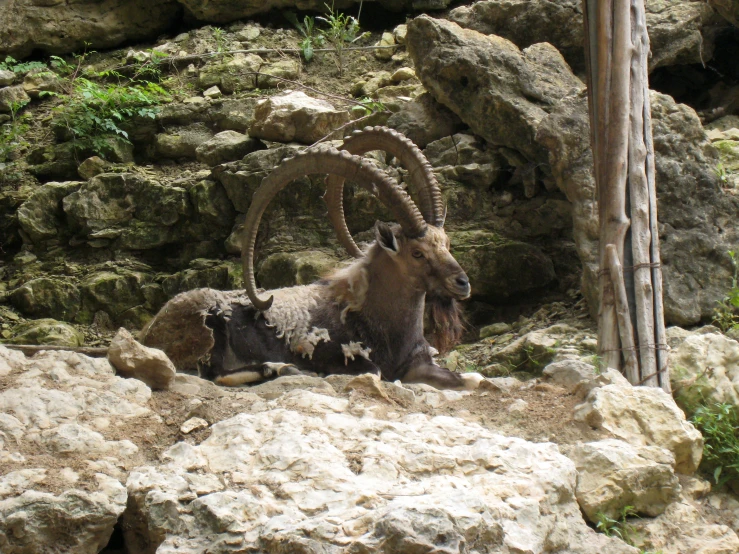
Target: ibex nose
(462, 281)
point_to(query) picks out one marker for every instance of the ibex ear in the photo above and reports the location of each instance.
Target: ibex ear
(385, 238)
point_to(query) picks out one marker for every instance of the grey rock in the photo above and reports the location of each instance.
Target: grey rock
(225, 146)
(489, 83)
(729, 10)
(47, 297)
(11, 98)
(134, 360)
(46, 331)
(183, 142)
(6, 78)
(41, 80)
(696, 216)
(56, 161)
(60, 28)
(237, 74)
(499, 268)
(569, 373)
(679, 32)
(295, 116)
(287, 269)
(41, 216)
(277, 73)
(92, 166)
(424, 120)
(613, 474)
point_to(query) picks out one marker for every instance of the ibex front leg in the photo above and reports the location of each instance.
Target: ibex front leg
(441, 378)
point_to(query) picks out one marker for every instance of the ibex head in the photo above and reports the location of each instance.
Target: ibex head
(425, 262)
(418, 246)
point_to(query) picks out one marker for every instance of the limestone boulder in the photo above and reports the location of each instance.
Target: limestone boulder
(46, 331)
(643, 416)
(703, 366)
(679, 32)
(41, 80)
(41, 216)
(7, 77)
(56, 162)
(224, 147)
(214, 213)
(328, 480)
(59, 27)
(182, 142)
(47, 297)
(682, 528)
(115, 291)
(136, 361)
(613, 474)
(295, 116)
(13, 98)
(62, 487)
(424, 120)
(128, 210)
(234, 75)
(490, 83)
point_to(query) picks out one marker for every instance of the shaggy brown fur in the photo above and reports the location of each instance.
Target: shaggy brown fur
(446, 322)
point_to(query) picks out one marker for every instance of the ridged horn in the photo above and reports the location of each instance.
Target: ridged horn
(323, 161)
(420, 176)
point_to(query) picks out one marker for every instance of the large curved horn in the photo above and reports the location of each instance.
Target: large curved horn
(322, 161)
(420, 176)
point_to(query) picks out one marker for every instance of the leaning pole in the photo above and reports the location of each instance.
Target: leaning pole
(631, 327)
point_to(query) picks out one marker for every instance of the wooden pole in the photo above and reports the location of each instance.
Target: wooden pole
(626, 330)
(31, 349)
(616, 54)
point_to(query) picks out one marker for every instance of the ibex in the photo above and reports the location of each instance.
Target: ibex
(364, 318)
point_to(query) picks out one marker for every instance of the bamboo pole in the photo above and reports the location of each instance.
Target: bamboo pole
(613, 171)
(641, 235)
(625, 328)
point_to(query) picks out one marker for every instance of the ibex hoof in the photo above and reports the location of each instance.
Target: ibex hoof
(472, 380)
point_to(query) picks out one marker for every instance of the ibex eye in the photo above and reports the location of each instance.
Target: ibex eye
(417, 254)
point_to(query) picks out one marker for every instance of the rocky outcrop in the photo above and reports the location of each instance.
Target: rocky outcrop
(704, 366)
(642, 416)
(729, 9)
(61, 27)
(325, 469)
(679, 32)
(489, 83)
(63, 478)
(613, 474)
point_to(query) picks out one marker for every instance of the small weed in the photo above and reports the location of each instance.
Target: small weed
(342, 30)
(370, 105)
(726, 314)
(722, 174)
(618, 527)
(719, 425)
(597, 362)
(312, 39)
(220, 37)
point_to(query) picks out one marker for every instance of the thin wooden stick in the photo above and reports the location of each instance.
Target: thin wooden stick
(626, 330)
(31, 349)
(641, 236)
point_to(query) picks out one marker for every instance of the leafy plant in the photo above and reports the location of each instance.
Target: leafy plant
(95, 112)
(11, 64)
(369, 105)
(719, 424)
(726, 314)
(618, 527)
(722, 174)
(312, 39)
(342, 29)
(11, 133)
